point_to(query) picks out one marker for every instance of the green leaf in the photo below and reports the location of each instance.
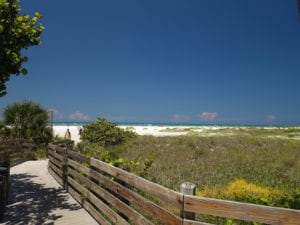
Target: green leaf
(25, 59)
(24, 71)
(20, 33)
(38, 15)
(264, 200)
(19, 19)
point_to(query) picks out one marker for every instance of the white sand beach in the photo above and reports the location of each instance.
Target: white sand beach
(141, 130)
(155, 130)
(60, 131)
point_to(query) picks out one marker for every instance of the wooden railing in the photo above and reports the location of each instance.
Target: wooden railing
(114, 196)
(11, 153)
(16, 151)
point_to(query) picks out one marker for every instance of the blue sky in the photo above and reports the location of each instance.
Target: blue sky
(191, 61)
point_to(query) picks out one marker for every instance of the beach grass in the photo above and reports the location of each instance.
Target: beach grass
(215, 161)
(275, 132)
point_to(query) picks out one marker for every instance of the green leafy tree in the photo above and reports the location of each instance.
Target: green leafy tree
(17, 32)
(105, 133)
(28, 120)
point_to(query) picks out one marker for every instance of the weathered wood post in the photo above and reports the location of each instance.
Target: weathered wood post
(65, 168)
(2, 196)
(4, 185)
(187, 188)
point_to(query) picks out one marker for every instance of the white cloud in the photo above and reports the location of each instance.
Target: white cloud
(208, 116)
(180, 118)
(78, 116)
(270, 118)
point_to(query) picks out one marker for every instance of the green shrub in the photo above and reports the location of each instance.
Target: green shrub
(105, 133)
(109, 155)
(40, 153)
(58, 138)
(94, 150)
(27, 120)
(104, 140)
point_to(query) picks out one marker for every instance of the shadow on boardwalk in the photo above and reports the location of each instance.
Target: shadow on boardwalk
(34, 203)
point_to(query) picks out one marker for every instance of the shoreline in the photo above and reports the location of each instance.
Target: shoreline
(156, 124)
(163, 130)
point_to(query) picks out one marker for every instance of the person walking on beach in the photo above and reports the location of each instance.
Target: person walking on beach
(79, 130)
(68, 135)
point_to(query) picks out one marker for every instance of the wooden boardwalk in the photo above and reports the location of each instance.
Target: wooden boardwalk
(36, 198)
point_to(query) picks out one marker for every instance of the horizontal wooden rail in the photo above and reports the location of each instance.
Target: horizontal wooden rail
(15, 152)
(169, 196)
(241, 211)
(115, 196)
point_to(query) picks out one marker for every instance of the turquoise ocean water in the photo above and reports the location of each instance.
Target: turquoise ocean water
(76, 123)
(136, 124)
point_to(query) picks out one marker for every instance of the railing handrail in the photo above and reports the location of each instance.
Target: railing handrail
(16, 151)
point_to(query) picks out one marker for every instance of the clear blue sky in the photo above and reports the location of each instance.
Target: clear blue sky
(208, 61)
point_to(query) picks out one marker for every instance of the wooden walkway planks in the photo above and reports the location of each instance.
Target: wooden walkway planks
(36, 198)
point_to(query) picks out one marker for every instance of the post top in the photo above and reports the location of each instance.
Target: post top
(188, 185)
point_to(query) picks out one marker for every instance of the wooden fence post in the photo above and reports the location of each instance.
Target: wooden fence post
(65, 169)
(4, 185)
(187, 188)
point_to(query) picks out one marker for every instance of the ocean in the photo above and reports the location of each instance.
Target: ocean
(80, 123)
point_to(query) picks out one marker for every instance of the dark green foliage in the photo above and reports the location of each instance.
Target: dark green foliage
(28, 120)
(40, 153)
(97, 151)
(105, 140)
(4, 131)
(17, 32)
(105, 133)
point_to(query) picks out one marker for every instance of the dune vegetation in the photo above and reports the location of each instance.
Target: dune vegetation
(254, 165)
(261, 170)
